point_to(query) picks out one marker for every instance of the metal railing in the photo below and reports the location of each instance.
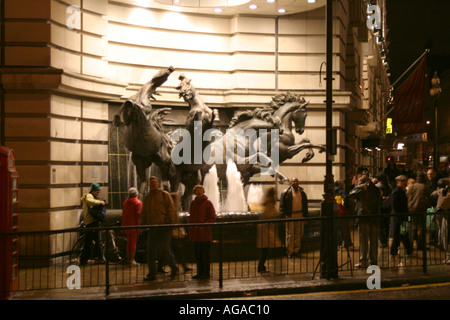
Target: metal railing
(45, 256)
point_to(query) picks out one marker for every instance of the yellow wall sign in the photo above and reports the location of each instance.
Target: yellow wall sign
(389, 125)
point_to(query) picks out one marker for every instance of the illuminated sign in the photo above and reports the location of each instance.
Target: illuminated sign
(389, 125)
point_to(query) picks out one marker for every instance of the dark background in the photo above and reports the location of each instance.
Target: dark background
(415, 25)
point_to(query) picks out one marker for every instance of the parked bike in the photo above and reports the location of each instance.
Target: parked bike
(112, 249)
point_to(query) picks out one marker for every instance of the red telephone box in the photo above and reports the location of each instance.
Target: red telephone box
(9, 204)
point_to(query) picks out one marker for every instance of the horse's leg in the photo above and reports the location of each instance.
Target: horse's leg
(141, 167)
(297, 148)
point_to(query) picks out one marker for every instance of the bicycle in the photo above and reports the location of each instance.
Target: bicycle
(113, 250)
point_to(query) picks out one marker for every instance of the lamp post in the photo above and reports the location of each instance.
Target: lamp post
(328, 249)
(435, 92)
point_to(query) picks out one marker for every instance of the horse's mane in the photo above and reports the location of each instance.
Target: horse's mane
(281, 99)
(158, 119)
(266, 113)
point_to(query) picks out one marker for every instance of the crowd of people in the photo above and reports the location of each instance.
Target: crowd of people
(390, 208)
(393, 204)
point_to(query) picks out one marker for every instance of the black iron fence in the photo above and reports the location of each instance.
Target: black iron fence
(50, 259)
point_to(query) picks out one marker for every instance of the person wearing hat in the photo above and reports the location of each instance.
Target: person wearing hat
(89, 200)
(201, 211)
(398, 219)
(131, 211)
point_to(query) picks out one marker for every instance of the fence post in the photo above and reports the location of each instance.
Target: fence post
(424, 243)
(106, 264)
(220, 257)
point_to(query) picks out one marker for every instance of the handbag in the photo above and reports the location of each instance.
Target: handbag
(98, 212)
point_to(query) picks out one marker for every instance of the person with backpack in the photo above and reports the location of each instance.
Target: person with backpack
(89, 201)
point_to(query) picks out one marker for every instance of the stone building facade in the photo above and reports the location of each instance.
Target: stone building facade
(67, 65)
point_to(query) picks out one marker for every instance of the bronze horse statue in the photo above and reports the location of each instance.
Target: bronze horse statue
(144, 133)
(283, 111)
(146, 139)
(240, 142)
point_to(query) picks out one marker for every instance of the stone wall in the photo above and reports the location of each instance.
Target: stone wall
(59, 83)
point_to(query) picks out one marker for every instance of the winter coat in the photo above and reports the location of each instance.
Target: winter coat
(267, 235)
(88, 201)
(418, 198)
(131, 211)
(399, 204)
(367, 199)
(158, 208)
(286, 203)
(367, 202)
(201, 211)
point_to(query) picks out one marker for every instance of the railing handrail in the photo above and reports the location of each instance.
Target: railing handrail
(192, 225)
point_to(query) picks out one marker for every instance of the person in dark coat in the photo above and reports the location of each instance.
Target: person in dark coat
(386, 191)
(398, 222)
(367, 204)
(418, 196)
(294, 204)
(201, 211)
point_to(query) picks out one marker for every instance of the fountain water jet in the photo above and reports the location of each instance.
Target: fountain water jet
(211, 187)
(235, 201)
(255, 198)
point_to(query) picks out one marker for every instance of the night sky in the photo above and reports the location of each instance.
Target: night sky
(413, 26)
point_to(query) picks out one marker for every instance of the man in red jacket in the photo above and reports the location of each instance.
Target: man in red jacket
(201, 211)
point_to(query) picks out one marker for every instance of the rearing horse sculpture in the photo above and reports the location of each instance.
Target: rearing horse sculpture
(283, 111)
(143, 138)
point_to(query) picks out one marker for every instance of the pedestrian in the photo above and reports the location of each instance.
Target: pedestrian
(409, 183)
(433, 186)
(267, 236)
(201, 210)
(294, 204)
(442, 216)
(386, 192)
(432, 179)
(344, 208)
(88, 201)
(131, 211)
(158, 209)
(359, 172)
(179, 236)
(367, 199)
(418, 196)
(399, 220)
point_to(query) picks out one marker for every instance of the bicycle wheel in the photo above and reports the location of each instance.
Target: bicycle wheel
(115, 250)
(75, 254)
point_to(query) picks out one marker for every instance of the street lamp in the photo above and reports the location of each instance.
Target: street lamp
(435, 92)
(328, 245)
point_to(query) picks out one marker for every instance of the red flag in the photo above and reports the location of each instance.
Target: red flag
(409, 102)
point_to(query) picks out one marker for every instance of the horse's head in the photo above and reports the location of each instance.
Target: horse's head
(299, 117)
(132, 112)
(185, 88)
